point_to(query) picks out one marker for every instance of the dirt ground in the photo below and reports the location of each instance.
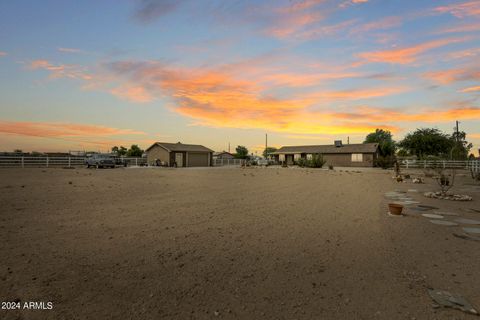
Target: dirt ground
(227, 243)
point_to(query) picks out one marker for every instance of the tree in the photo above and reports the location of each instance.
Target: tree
(461, 147)
(268, 151)
(242, 152)
(386, 145)
(18, 151)
(134, 151)
(120, 151)
(425, 142)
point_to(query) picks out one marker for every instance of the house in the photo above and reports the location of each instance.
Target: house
(179, 155)
(223, 155)
(337, 154)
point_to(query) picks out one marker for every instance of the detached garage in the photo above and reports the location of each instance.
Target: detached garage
(179, 155)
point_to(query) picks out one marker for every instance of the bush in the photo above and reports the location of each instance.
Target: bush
(317, 161)
(385, 162)
(302, 162)
(330, 167)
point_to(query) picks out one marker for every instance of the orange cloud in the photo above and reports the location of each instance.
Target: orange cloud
(289, 24)
(463, 28)
(59, 130)
(471, 89)
(384, 23)
(426, 115)
(461, 10)
(453, 75)
(406, 55)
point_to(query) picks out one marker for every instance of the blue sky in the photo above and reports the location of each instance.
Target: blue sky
(80, 75)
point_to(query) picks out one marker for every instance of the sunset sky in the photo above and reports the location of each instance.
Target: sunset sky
(78, 75)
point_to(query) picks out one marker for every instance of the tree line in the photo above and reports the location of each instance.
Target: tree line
(422, 143)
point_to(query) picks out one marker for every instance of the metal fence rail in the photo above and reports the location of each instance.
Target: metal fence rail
(227, 162)
(46, 162)
(473, 165)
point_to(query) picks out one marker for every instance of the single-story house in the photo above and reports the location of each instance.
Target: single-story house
(179, 155)
(223, 155)
(337, 154)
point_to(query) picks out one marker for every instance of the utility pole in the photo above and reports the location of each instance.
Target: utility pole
(456, 129)
(266, 146)
(348, 140)
(228, 147)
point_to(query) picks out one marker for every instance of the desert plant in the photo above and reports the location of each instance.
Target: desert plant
(302, 162)
(444, 179)
(330, 167)
(317, 161)
(385, 162)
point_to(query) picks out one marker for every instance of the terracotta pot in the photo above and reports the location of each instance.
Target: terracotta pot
(395, 209)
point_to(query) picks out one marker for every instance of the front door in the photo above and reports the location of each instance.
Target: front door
(179, 159)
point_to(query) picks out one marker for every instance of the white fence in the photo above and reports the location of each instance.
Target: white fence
(227, 162)
(46, 162)
(446, 164)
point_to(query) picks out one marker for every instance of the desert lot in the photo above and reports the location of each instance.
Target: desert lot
(228, 243)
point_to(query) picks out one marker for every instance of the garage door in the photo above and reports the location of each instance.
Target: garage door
(198, 159)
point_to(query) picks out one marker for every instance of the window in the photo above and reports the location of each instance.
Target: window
(309, 156)
(357, 157)
(281, 157)
(297, 156)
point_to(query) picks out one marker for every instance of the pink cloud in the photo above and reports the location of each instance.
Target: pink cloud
(3, 53)
(471, 89)
(132, 93)
(461, 10)
(61, 70)
(69, 50)
(406, 55)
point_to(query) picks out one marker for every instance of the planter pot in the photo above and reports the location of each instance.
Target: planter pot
(395, 209)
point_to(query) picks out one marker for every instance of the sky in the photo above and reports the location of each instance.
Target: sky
(89, 75)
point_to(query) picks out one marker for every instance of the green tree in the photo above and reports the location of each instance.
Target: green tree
(134, 151)
(268, 151)
(120, 151)
(461, 147)
(242, 152)
(386, 145)
(425, 142)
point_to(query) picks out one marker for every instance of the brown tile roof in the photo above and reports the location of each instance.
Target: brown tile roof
(181, 147)
(325, 149)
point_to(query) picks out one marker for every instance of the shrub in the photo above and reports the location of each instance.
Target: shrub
(330, 167)
(302, 162)
(385, 162)
(317, 161)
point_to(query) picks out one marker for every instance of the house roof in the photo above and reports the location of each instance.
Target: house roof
(180, 147)
(324, 149)
(222, 152)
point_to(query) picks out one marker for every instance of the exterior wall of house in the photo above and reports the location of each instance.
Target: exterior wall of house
(345, 160)
(335, 159)
(159, 153)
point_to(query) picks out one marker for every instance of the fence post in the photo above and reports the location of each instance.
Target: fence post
(407, 163)
(424, 164)
(69, 162)
(136, 162)
(23, 163)
(47, 161)
(443, 164)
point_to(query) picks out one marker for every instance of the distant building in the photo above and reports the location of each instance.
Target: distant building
(223, 155)
(337, 154)
(179, 155)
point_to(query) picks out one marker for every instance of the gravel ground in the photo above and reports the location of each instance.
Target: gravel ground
(231, 243)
